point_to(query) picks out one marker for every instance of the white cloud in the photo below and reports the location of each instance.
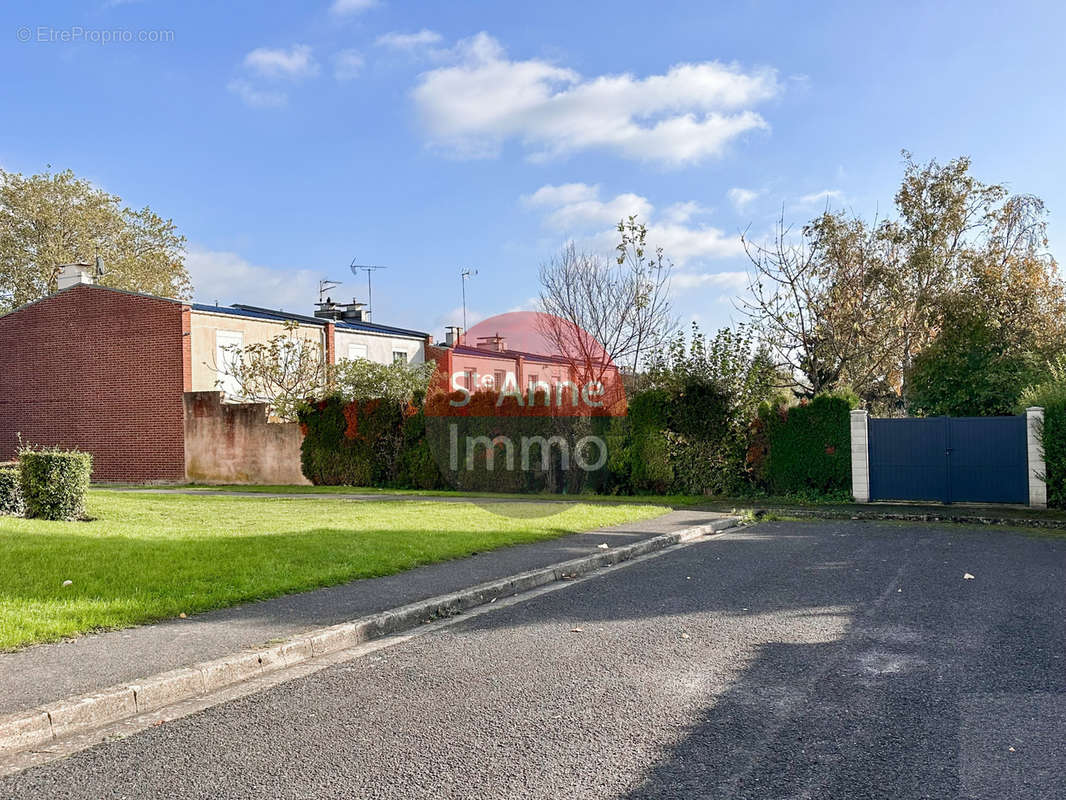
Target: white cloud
(408, 41)
(577, 206)
(577, 211)
(681, 213)
(742, 198)
(454, 316)
(736, 281)
(296, 62)
(256, 97)
(529, 304)
(820, 198)
(347, 64)
(690, 113)
(344, 8)
(225, 277)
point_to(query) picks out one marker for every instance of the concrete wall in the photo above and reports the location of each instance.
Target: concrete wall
(99, 370)
(205, 327)
(379, 348)
(234, 443)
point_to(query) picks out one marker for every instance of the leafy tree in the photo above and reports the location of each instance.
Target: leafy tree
(285, 371)
(853, 303)
(51, 219)
(971, 369)
(732, 359)
(360, 379)
(690, 422)
(1000, 325)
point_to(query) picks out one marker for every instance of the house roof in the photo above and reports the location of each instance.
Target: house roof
(538, 358)
(255, 312)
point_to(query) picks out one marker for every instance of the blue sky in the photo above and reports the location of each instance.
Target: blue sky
(285, 139)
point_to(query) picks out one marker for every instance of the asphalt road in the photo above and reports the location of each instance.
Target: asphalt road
(789, 660)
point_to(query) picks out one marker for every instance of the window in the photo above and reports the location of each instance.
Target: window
(399, 356)
(225, 343)
(498, 378)
(356, 351)
(534, 378)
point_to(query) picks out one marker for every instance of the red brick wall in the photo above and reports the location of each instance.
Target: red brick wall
(103, 371)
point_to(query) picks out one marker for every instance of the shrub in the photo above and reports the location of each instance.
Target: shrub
(54, 482)
(808, 446)
(1051, 396)
(351, 444)
(417, 468)
(10, 490)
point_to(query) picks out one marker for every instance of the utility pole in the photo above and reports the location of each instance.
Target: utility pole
(463, 276)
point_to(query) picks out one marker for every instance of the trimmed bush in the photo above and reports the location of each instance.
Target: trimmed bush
(10, 490)
(1051, 396)
(54, 482)
(808, 447)
(351, 443)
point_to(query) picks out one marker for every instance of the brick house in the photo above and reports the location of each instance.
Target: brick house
(107, 371)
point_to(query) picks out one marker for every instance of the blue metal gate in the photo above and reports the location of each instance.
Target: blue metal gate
(949, 459)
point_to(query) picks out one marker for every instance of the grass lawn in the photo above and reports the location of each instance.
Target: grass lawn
(148, 557)
(672, 500)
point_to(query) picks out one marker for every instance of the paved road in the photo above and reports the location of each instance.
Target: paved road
(48, 672)
(790, 660)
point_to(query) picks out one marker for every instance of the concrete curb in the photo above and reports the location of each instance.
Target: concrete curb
(25, 730)
(932, 516)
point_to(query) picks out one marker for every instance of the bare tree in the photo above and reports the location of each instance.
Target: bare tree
(600, 309)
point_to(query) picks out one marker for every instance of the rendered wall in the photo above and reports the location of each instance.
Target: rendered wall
(234, 443)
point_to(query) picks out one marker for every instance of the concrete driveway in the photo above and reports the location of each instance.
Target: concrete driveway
(787, 660)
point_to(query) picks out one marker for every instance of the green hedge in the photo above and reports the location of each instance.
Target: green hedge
(1051, 396)
(1053, 439)
(54, 482)
(10, 490)
(351, 443)
(366, 443)
(807, 448)
(686, 440)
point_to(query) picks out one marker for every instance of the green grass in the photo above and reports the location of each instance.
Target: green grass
(148, 557)
(672, 500)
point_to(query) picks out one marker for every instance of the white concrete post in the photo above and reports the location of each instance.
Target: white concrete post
(860, 456)
(1034, 421)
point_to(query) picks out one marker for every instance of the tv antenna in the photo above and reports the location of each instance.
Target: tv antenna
(324, 286)
(368, 269)
(464, 276)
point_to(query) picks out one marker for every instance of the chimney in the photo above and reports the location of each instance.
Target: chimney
(74, 274)
(453, 335)
(356, 312)
(495, 344)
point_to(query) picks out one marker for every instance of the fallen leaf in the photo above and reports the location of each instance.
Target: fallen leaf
(182, 615)
(1011, 749)
(684, 636)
